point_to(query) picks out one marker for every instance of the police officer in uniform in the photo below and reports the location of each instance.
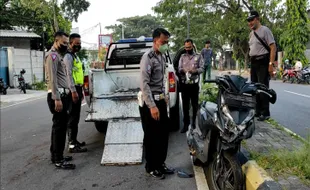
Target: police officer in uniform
(190, 68)
(153, 111)
(57, 99)
(262, 53)
(75, 79)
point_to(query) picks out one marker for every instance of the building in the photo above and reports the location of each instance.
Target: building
(18, 52)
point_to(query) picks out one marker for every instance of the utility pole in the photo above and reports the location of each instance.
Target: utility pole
(56, 27)
(43, 46)
(187, 13)
(123, 36)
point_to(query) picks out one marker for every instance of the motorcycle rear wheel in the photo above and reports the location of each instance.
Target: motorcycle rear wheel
(227, 176)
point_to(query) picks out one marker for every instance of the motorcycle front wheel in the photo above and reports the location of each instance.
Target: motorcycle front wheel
(226, 175)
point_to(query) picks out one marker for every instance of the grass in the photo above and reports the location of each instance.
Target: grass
(285, 162)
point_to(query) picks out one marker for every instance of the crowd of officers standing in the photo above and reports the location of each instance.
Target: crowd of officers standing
(64, 72)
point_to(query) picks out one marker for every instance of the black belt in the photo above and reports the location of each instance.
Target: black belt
(259, 57)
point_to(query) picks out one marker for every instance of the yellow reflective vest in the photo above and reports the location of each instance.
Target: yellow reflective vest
(77, 71)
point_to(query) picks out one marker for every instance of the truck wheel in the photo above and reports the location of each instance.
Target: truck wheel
(101, 126)
(176, 116)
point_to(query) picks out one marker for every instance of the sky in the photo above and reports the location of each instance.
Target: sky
(107, 12)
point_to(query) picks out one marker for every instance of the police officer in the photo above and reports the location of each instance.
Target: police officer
(57, 99)
(262, 53)
(153, 111)
(75, 79)
(190, 67)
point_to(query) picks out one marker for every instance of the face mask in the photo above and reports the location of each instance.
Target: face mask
(190, 51)
(163, 48)
(77, 48)
(62, 48)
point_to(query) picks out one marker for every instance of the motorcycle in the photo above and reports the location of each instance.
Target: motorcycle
(289, 74)
(216, 141)
(3, 87)
(303, 75)
(21, 81)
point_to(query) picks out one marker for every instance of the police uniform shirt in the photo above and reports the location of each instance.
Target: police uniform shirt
(68, 62)
(152, 70)
(55, 73)
(256, 48)
(189, 62)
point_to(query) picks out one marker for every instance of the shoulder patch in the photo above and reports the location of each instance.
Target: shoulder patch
(151, 54)
(54, 56)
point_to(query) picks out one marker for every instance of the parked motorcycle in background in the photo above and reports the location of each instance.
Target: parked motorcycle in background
(3, 87)
(21, 81)
(289, 74)
(216, 140)
(303, 76)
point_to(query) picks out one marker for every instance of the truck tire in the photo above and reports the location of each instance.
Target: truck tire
(101, 126)
(175, 119)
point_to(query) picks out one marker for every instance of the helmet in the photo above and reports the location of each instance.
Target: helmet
(286, 61)
(23, 71)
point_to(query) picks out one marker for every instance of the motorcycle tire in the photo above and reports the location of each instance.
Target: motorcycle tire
(234, 181)
(4, 92)
(24, 90)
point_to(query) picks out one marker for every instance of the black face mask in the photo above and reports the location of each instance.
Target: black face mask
(190, 51)
(77, 48)
(62, 48)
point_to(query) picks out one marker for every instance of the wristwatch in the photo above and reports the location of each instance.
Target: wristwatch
(270, 63)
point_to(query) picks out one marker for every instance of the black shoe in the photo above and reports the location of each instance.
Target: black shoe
(166, 170)
(64, 165)
(76, 149)
(80, 143)
(66, 159)
(263, 118)
(156, 174)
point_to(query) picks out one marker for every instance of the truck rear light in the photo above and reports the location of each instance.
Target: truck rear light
(86, 86)
(171, 79)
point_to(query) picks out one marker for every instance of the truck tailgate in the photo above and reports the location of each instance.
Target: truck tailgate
(108, 109)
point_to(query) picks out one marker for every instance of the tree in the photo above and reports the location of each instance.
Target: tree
(222, 22)
(296, 34)
(134, 27)
(83, 54)
(73, 8)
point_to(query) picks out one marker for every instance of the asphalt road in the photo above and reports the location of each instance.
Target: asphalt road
(292, 108)
(25, 164)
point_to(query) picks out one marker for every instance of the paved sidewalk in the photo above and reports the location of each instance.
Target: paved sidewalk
(14, 96)
(268, 137)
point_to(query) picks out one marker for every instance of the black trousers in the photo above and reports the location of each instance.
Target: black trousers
(59, 128)
(259, 73)
(156, 135)
(74, 115)
(190, 93)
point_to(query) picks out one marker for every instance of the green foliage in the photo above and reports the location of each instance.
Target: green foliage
(135, 27)
(297, 30)
(73, 8)
(83, 54)
(208, 93)
(221, 22)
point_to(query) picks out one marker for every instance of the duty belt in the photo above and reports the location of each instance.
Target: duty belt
(61, 91)
(158, 97)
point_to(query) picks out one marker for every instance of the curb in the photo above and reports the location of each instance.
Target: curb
(256, 178)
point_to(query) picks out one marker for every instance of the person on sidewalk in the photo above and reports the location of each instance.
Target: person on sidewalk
(190, 68)
(262, 54)
(58, 100)
(153, 109)
(75, 79)
(207, 54)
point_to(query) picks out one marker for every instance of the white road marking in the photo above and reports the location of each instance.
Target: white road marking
(303, 95)
(26, 101)
(200, 178)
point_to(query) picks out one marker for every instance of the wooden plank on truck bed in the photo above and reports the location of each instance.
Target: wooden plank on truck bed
(123, 143)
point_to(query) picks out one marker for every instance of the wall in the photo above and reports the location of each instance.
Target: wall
(22, 43)
(30, 60)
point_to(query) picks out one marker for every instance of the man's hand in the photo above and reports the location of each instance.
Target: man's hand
(270, 69)
(193, 71)
(75, 97)
(155, 113)
(58, 105)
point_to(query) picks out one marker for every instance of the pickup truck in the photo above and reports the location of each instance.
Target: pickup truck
(111, 94)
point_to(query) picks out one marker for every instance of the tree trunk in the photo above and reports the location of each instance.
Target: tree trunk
(56, 27)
